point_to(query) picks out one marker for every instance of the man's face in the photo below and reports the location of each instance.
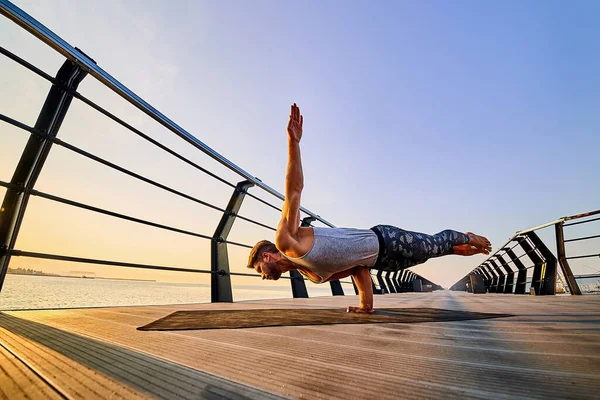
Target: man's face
(267, 270)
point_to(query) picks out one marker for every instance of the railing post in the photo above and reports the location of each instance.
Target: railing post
(336, 288)
(382, 283)
(417, 285)
(487, 277)
(402, 280)
(390, 285)
(501, 277)
(548, 277)
(220, 278)
(394, 279)
(562, 258)
(477, 284)
(494, 281)
(33, 158)
(538, 263)
(411, 280)
(522, 275)
(510, 275)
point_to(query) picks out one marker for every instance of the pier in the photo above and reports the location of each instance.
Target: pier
(549, 349)
(536, 343)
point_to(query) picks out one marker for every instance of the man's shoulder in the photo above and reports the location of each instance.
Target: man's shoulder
(294, 246)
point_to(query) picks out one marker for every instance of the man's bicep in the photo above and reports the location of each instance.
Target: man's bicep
(341, 275)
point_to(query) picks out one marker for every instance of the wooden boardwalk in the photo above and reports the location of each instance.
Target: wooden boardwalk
(549, 349)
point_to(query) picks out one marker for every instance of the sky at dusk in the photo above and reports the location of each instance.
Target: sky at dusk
(467, 115)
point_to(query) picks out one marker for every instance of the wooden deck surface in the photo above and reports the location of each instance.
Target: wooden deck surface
(549, 349)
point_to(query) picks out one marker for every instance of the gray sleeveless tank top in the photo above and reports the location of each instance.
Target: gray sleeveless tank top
(338, 249)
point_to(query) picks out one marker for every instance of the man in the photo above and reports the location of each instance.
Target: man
(324, 254)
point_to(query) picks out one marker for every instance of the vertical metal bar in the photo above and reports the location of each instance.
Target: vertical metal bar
(494, 281)
(562, 258)
(390, 285)
(510, 275)
(336, 288)
(403, 279)
(394, 279)
(538, 262)
(355, 287)
(417, 285)
(487, 277)
(33, 158)
(220, 278)
(477, 284)
(522, 275)
(381, 282)
(501, 277)
(548, 277)
(376, 290)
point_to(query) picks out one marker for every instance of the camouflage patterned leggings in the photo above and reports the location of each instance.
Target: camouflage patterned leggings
(400, 249)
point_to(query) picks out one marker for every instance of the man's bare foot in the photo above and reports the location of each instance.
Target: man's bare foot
(481, 243)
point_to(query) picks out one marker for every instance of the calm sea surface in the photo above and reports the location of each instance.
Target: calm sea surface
(32, 292)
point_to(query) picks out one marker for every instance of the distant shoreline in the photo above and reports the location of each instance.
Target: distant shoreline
(82, 277)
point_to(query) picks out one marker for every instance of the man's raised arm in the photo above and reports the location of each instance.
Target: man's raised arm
(287, 231)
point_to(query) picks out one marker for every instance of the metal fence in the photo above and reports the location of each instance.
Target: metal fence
(505, 272)
(44, 135)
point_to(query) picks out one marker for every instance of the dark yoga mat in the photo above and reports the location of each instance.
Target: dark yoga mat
(232, 319)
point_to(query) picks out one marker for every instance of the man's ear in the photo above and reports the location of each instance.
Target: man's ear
(268, 257)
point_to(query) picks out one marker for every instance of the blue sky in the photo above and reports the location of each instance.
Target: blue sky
(479, 116)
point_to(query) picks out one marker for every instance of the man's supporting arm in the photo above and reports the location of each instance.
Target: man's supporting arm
(362, 279)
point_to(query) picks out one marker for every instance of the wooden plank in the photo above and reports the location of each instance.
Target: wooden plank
(550, 349)
(85, 368)
(18, 381)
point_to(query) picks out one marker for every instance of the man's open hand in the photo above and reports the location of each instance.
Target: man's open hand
(294, 127)
(360, 310)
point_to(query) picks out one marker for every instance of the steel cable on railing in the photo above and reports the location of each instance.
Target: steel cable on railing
(581, 222)
(586, 256)
(582, 238)
(58, 199)
(103, 111)
(59, 257)
(27, 65)
(118, 120)
(125, 171)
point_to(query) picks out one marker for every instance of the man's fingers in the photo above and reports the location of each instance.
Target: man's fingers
(359, 310)
(301, 120)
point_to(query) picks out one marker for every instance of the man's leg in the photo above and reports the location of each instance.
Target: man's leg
(404, 249)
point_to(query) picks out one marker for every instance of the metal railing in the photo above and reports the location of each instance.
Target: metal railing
(495, 274)
(43, 136)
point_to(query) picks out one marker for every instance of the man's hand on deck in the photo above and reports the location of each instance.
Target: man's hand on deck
(294, 127)
(360, 310)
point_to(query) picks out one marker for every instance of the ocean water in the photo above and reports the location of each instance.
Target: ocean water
(34, 292)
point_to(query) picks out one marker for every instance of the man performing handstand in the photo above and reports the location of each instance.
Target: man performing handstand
(325, 254)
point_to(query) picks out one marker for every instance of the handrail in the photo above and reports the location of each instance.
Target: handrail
(37, 29)
(540, 255)
(43, 136)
